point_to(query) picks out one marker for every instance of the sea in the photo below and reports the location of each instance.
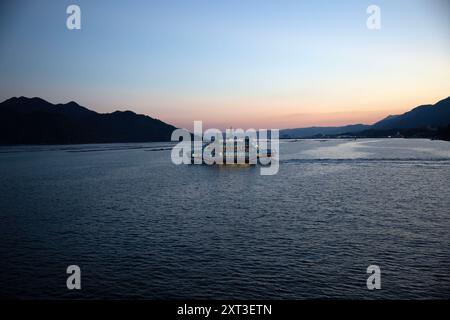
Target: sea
(140, 227)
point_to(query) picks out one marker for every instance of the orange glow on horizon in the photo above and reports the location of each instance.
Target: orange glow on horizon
(287, 116)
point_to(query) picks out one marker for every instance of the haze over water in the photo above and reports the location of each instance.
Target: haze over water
(141, 227)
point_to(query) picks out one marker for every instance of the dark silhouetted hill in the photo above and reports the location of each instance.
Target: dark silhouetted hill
(427, 121)
(433, 116)
(36, 121)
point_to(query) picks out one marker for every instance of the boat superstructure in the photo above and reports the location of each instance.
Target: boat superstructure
(237, 152)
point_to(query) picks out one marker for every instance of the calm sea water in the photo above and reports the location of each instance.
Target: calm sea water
(140, 227)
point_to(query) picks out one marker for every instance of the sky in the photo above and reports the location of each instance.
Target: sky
(234, 63)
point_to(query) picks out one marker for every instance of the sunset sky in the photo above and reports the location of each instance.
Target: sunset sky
(240, 63)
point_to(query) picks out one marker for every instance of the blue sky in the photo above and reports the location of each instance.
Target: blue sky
(230, 63)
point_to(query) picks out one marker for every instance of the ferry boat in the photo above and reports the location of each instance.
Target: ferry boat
(242, 152)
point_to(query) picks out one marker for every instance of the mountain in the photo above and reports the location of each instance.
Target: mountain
(319, 131)
(36, 121)
(434, 116)
(421, 121)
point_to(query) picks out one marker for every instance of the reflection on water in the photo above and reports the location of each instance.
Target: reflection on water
(139, 226)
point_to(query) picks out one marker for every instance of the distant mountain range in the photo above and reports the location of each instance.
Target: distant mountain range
(315, 131)
(432, 116)
(36, 121)
(423, 121)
